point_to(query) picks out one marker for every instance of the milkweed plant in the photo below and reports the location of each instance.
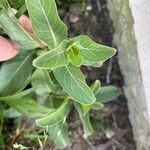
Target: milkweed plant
(48, 68)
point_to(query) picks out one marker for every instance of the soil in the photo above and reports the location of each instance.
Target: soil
(114, 131)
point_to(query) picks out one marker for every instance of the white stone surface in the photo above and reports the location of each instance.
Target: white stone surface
(141, 13)
(131, 19)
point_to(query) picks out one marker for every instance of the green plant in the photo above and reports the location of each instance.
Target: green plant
(50, 70)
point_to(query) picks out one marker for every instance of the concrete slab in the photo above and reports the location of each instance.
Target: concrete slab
(131, 20)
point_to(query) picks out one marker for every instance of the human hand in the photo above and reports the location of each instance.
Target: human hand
(9, 48)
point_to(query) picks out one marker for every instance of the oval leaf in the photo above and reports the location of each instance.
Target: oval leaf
(11, 113)
(42, 80)
(28, 107)
(93, 52)
(93, 64)
(73, 82)
(18, 95)
(46, 22)
(75, 57)
(3, 4)
(107, 94)
(52, 59)
(14, 73)
(95, 86)
(59, 134)
(55, 117)
(16, 32)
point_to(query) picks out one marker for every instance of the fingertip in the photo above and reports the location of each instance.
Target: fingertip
(26, 23)
(8, 49)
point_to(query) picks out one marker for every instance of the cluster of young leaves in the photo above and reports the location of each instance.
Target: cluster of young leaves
(52, 71)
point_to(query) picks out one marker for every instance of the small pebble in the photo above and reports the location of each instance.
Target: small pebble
(109, 133)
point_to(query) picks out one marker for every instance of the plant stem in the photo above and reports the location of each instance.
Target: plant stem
(1, 124)
(1, 117)
(58, 95)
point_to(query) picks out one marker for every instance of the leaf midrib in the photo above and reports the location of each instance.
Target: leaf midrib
(27, 34)
(53, 114)
(75, 80)
(23, 62)
(51, 30)
(24, 31)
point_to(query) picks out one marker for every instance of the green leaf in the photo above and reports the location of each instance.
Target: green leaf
(28, 107)
(107, 94)
(88, 130)
(52, 59)
(98, 125)
(17, 33)
(3, 4)
(18, 95)
(95, 86)
(92, 64)
(2, 143)
(96, 106)
(73, 82)
(14, 73)
(2, 109)
(74, 56)
(55, 101)
(11, 113)
(93, 52)
(59, 134)
(54, 117)
(85, 108)
(42, 81)
(46, 22)
(17, 4)
(21, 10)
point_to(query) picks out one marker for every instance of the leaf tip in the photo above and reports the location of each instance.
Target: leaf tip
(35, 63)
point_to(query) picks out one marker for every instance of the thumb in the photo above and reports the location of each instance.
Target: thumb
(8, 49)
